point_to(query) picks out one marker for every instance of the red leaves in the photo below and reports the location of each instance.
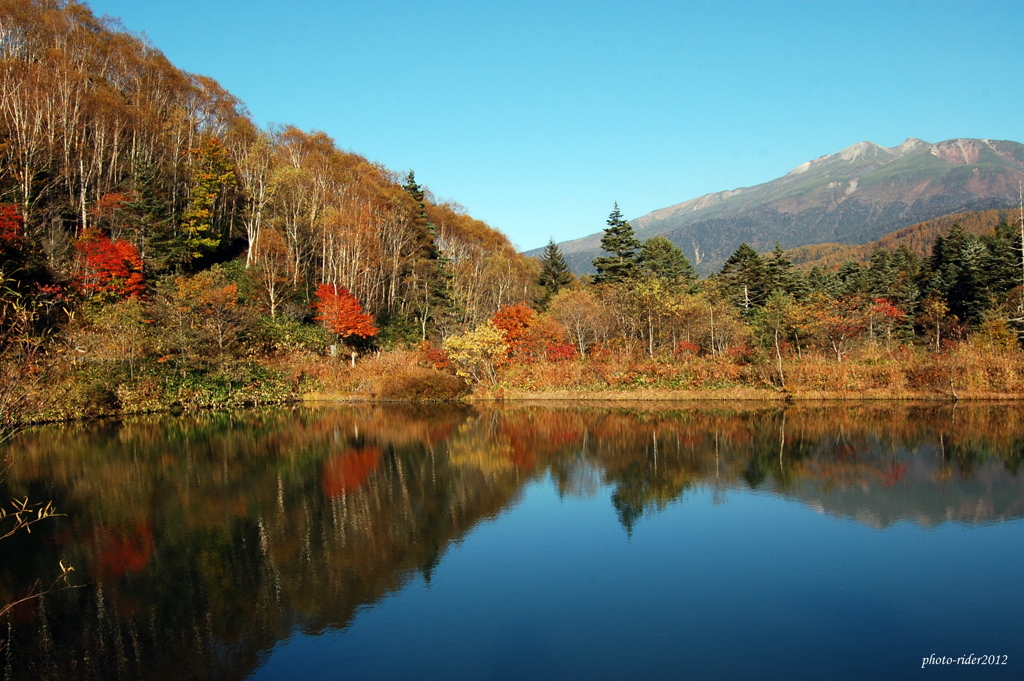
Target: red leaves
(113, 267)
(531, 336)
(687, 349)
(12, 226)
(514, 321)
(887, 309)
(341, 312)
(560, 352)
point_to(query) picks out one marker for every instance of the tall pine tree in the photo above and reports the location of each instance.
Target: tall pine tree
(622, 245)
(429, 276)
(554, 272)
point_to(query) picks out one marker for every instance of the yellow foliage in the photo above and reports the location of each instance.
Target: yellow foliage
(477, 354)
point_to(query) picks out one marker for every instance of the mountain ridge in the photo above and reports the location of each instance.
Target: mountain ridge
(853, 196)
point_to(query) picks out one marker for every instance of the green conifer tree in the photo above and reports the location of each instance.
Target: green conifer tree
(621, 243)
(429, 278)
(744, 279)
(661, 258)
(554, 271)
(782, 277)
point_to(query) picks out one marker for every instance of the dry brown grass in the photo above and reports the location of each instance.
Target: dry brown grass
(963, 371)
(394, 375)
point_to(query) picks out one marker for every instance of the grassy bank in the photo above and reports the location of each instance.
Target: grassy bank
(67, 389)
(962, 372)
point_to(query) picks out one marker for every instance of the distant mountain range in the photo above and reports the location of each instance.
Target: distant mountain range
(852, 197)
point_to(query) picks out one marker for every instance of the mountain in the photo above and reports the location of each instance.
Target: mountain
(854, 196)
(918, 238)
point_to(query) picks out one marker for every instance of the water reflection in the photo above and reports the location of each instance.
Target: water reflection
(203, 540)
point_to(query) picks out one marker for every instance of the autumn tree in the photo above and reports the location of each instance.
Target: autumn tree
(885, 316)
(585, 316)
(834, 322)
(478, 354)
(272, 270)
(111, 268)
(212, 174)
(341, 313)
(514, 321)
(14, 255)
(204, 311)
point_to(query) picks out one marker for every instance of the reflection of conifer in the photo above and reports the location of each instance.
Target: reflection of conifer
(627, 511)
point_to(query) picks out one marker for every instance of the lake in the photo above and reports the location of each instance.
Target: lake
(568, 541)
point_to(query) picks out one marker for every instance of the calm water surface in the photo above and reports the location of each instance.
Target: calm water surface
(557, 542)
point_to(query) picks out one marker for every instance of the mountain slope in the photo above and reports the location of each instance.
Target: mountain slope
(919, 238)
(854, 196)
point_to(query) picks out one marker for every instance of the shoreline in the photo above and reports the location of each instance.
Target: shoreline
(664, 395)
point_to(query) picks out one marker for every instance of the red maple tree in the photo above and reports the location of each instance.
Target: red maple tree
(113, 267)
(11, 226)
(341, 312)
(514, 322)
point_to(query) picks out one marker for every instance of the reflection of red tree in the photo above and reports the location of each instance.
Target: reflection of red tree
(347, 471)
(894, 474)
(439, 432)
(125, 551)
(529, 439)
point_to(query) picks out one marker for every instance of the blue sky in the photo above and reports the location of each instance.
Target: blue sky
(537, 116)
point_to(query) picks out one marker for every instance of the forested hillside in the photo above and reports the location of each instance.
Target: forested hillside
(146, 218)
(159, 250)
(917, 238)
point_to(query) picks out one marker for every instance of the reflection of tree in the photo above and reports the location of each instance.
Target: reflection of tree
(207, 538)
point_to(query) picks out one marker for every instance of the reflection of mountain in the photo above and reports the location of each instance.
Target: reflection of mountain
(205, 540)
(990, 494)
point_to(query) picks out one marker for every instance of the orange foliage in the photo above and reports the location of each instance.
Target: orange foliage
(435, 358)
(108, 204)
(348, 471)
(531, 336)
(514, 321)
(341, 313)
(109, 266)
